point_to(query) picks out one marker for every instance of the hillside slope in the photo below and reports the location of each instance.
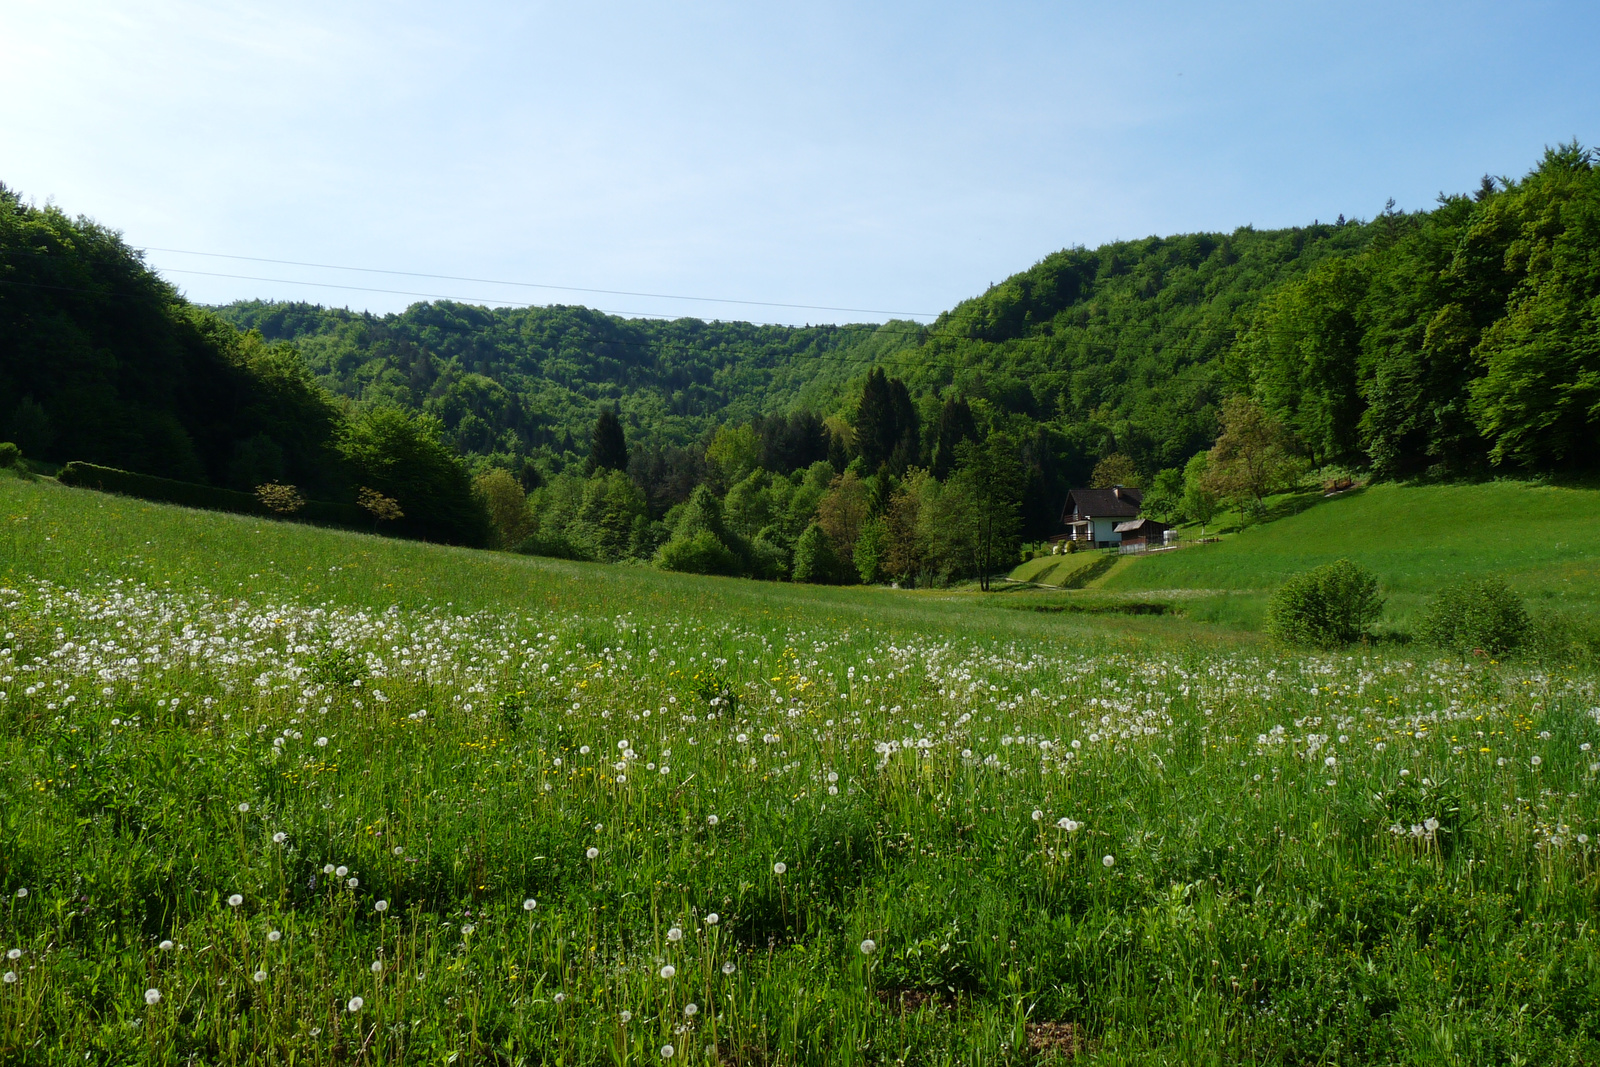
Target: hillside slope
(1543, 540)
(1117, 346)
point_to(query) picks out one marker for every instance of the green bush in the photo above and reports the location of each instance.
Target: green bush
(1484, 615)
(1332, 605)
(10, 455)
(699, 553)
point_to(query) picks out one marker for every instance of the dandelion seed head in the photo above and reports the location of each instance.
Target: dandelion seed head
(712, 820)
(529, 904)
(626, 1016)
(379, 906)
(780, 868)
(667, 1052)
(675, 934)
(355, 1005)
(592, 852)
(1108, 861)
(235, 900)
(691, 1009)
(14, 954)
(341, 871)
(152, 997)
(273, 936)
(868, 947)
(668, 970)
(259, 976)
(244, 806)
(712, 918)
(279, 838)
(10, 976)
(166, 946)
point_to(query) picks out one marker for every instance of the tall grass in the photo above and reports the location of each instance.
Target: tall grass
(1062, 837)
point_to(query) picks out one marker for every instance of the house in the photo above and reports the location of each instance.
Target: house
(1091, 515)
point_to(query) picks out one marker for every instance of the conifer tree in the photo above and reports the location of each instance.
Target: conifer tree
(875, 421)
(608, 451)
(955, 426)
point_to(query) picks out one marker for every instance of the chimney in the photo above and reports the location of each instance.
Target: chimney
(1117, 490)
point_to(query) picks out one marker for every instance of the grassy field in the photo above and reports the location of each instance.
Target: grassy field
(1542, 540)
(275, 794)
(1072, 571)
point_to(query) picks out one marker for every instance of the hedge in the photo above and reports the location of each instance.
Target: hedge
(207, 497)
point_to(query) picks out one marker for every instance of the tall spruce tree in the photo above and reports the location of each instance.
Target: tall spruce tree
(875, 421)
(955, 426)
(608, 451)
(907, 450)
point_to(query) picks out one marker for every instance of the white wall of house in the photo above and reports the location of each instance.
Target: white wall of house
(1106, 530)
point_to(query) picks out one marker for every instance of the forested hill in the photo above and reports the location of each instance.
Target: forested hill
(513, 382)
(1120, 346)
(1116, 348)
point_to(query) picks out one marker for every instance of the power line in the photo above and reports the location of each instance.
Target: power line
(664, 346)
(525, 285)
(490, 302)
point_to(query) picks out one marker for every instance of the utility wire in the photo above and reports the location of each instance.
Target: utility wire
(881, 329)
(529, 285)
(682, 346)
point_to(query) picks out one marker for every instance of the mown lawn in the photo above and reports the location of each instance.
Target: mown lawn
(274, 794)
(1542, 540)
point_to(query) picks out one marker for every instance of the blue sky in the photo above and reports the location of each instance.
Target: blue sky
(893, 157)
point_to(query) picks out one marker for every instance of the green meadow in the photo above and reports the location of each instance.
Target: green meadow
(1542, 540)
(274, 794)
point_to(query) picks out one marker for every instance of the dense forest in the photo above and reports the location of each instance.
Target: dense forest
(1461, 340)
(103, 361)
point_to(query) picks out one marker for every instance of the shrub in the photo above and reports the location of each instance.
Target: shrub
(1564, 634)
(10, 455)
(1331, 605)
(699, 553)
(1470, 615)
(283, 499)
(381, 508)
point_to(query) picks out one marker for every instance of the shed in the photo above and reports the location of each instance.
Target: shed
(1141, 531)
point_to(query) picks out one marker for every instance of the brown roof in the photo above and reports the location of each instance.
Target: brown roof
(1119, 503)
